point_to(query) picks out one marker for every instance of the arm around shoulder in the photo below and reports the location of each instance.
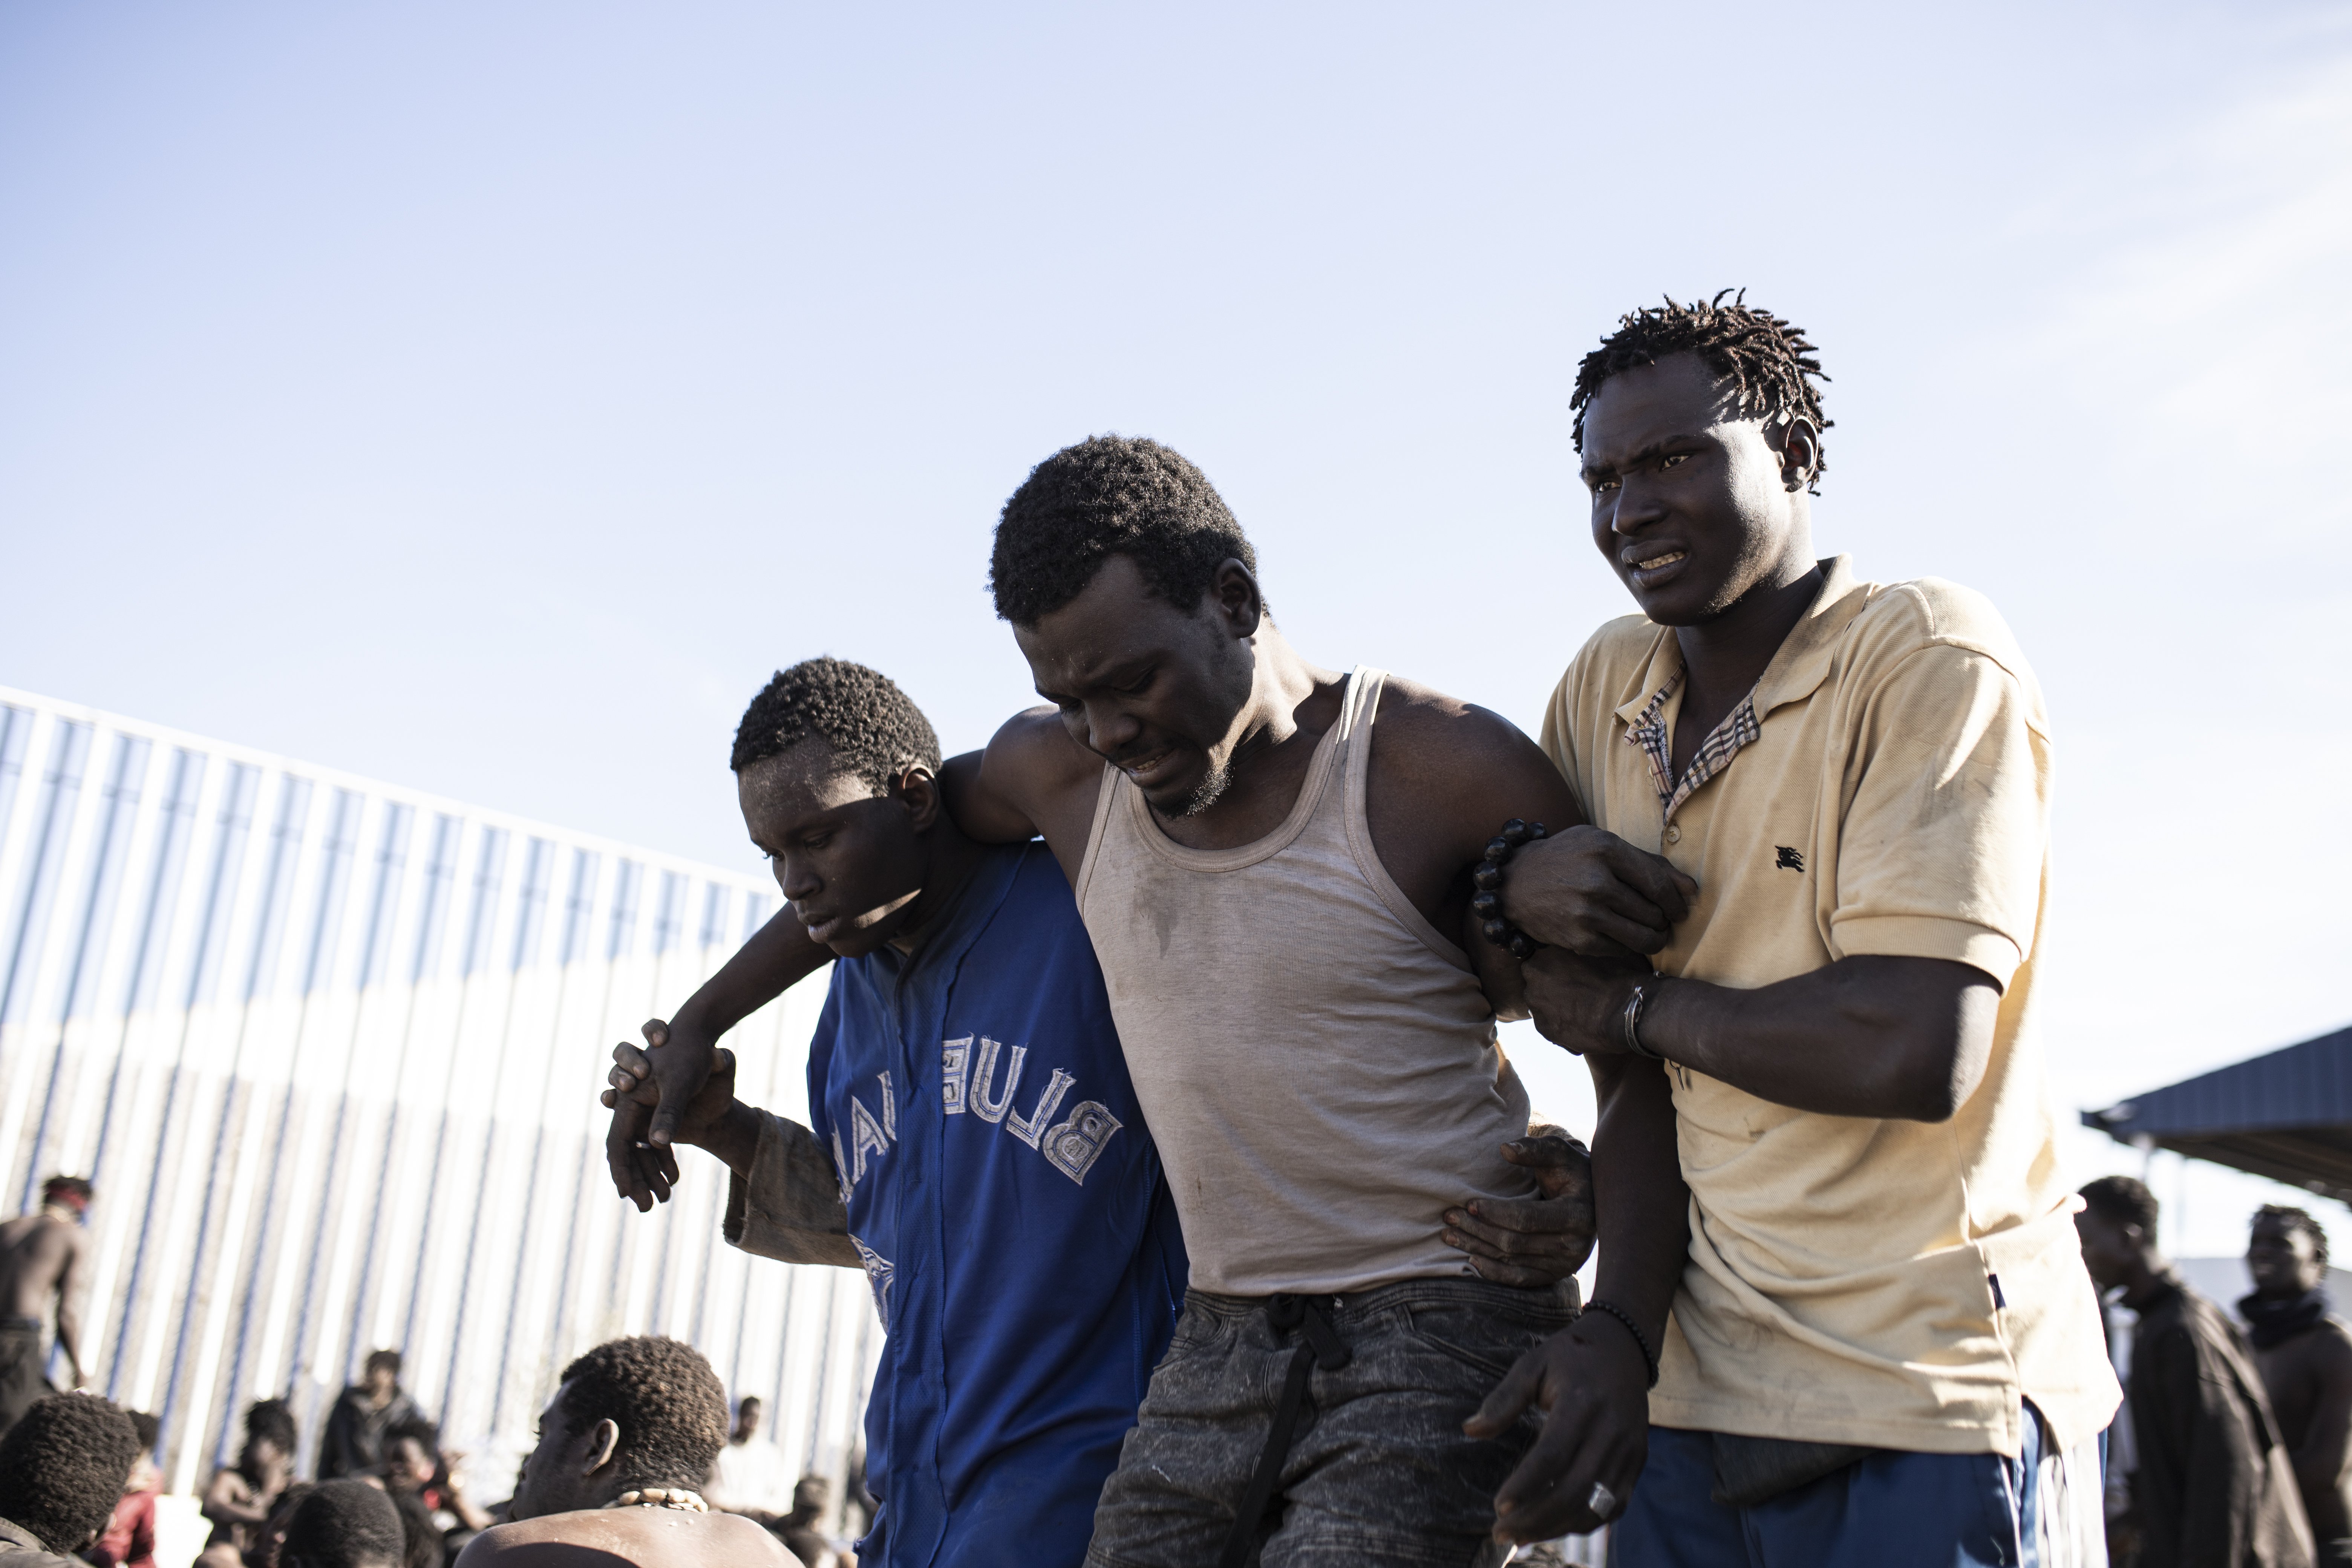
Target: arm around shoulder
(1004, 794)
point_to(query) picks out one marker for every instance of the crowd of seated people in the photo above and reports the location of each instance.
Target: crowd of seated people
(627, 1445)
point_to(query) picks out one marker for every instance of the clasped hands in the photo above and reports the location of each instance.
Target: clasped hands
(680, 1089)
(1600, 907)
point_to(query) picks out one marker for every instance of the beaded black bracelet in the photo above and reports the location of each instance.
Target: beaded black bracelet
(1649, 1357)
(1487, 903)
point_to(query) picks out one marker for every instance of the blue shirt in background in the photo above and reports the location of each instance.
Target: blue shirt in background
(1015, 1224)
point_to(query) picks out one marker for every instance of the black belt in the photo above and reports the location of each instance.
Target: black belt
(1318, 1346)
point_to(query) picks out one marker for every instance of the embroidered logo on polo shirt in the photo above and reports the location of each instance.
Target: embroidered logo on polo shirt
(1790, 860)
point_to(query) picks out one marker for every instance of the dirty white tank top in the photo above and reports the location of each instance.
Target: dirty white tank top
(1318, 1063)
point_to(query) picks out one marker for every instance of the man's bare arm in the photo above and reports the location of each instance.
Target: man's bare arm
(1592, 1379)
(1446, 775)
(72, 1282)
(1872, 1035)
(228, 1501)
(779, 955)
(984, 809)
(1498, 971)
(1033, 779)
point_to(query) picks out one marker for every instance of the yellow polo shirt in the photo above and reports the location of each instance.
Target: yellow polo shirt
(1891, 1283)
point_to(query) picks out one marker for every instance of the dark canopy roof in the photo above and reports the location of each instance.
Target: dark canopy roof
(2287, 1116)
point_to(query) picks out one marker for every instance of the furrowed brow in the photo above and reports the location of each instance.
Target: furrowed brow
(1116, 674)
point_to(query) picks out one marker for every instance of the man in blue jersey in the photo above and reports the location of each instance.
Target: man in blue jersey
(976, 1149)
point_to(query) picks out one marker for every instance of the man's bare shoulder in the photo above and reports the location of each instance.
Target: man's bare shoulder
(1458, 770)
(1034, 742)
(37, 1237)
(1031, 779)
(624, 1538)
(1420, 727)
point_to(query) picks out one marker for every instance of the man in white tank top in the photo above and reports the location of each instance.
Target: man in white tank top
(1038, 1283)
(1274, 861)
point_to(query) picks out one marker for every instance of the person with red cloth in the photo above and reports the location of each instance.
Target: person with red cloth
(128, 1539)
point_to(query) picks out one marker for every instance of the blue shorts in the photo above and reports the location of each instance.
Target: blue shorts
(1890, 1509)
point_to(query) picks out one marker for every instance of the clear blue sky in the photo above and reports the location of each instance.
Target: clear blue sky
(486, 397)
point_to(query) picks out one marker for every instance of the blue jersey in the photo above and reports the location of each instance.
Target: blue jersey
(1015, 1226)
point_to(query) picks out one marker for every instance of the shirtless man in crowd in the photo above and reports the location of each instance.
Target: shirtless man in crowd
(623, 1447)
(43, 1257)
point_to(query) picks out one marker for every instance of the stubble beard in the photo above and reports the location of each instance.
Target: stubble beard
(1208, 792)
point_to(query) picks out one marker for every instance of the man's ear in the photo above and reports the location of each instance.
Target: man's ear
(604, 1438)
(918, 791)
(1800, 453)
(1239, 604)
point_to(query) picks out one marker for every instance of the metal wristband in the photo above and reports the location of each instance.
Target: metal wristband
(1630, 1022)
(1649, 1360)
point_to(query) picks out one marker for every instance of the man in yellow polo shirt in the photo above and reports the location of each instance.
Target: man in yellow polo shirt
(1825, 1138)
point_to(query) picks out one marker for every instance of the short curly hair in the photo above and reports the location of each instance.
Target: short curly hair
(874, 728)
(1111, 495)
(1770, 364)
(663, 1397)
(2292, 1220)
(62, 1466)
(345, 1523)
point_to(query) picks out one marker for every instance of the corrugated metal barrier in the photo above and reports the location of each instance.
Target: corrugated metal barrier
(330, 1050)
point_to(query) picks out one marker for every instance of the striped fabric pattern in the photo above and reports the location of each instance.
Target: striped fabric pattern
(330, 1050)
(1648, 731)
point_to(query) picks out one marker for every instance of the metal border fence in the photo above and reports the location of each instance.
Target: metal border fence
(329, 1049)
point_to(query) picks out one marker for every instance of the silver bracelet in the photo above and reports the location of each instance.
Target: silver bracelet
(1632, 1021)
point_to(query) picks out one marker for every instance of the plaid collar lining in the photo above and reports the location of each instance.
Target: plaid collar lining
(1648, 730)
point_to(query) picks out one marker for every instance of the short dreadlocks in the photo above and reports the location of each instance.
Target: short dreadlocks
(2292, 1220)
(1111, 495)
(870, 724)
(663, 1396)
(1768, 361)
